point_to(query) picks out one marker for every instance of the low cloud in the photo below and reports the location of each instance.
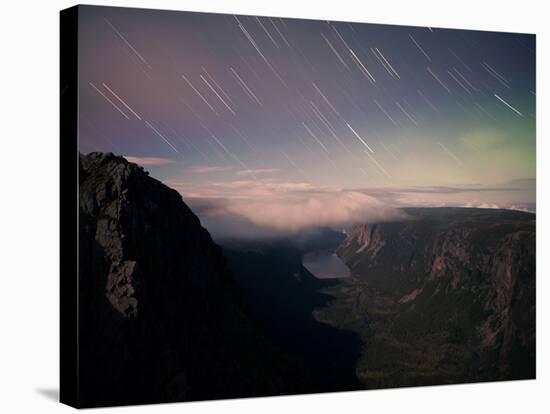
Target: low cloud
(525, 207)
(262, 208)
(258, 171)
(513, 195)
(208, 169)
(251, 208)
(296, 211)
(478, 204)
(149, 161)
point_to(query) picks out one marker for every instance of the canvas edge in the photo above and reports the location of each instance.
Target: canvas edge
(68, 147)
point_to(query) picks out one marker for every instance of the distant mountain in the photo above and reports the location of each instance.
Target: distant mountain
(446, 296)
(160, 316)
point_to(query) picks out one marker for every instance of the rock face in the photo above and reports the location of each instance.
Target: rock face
(445, 296)
(160, 316)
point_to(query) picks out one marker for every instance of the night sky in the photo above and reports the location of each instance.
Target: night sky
(302, 117)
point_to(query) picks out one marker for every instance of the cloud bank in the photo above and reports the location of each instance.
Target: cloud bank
(512, 195)
(261, 208)
(253, 208)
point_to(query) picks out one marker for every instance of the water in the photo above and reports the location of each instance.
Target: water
(325, 265)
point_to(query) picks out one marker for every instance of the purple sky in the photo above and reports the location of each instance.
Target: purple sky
(287, 123)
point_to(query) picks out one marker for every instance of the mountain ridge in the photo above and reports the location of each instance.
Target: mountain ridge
(161, 318)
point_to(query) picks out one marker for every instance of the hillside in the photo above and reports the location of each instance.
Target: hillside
(160, 315)
(445, 296)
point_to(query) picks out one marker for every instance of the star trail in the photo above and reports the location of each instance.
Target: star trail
(348, 106)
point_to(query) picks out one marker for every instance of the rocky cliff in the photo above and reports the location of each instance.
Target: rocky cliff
(160, 316)
(444, 296)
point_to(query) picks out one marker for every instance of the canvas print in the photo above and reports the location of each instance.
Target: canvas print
(274, 206)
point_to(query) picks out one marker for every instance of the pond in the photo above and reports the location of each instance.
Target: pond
(325, 265)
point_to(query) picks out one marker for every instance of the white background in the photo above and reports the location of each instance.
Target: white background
(29, 207)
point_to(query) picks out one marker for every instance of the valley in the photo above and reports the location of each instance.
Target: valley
(445, 296)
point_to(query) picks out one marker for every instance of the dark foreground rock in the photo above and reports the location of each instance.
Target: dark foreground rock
(160, 316)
